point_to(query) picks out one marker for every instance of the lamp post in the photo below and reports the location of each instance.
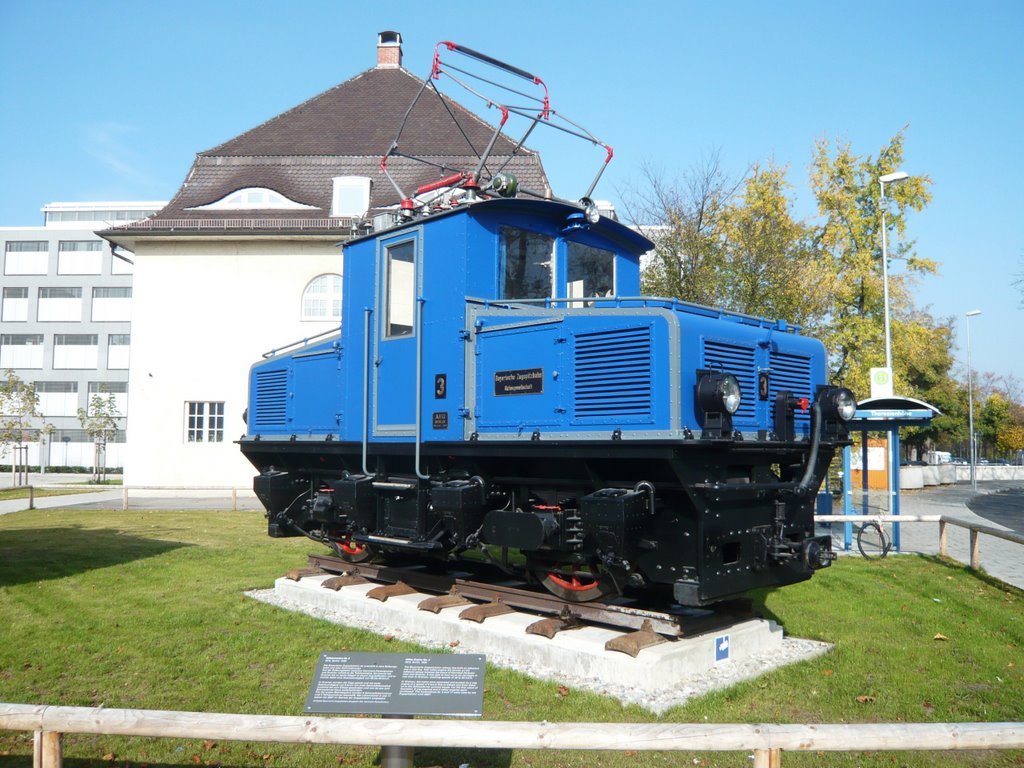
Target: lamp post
(889, 178)
(970, 399)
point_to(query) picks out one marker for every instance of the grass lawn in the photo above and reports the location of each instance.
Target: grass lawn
(143, 609)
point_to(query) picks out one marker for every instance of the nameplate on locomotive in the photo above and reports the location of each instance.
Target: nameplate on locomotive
(527, 381)
(363, 683)
(439, 420)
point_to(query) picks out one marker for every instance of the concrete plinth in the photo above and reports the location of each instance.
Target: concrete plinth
(659, 677)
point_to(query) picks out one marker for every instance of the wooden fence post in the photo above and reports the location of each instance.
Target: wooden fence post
(234, 499)
(975, 550)
(943, 539)
(47, 750)
(124, 498)
(31, 497)
(767, 758)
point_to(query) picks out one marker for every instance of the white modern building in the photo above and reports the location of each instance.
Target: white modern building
(65, 323)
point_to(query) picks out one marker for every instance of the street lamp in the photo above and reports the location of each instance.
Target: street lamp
(889, 178)
(970, 398)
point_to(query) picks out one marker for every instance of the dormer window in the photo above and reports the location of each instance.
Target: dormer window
(254, 198)
(350, 195)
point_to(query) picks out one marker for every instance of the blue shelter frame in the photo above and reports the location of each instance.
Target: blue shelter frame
(882, 414)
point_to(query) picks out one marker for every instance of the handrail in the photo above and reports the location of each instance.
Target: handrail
(300, 343)
(766, 740)
(643, 302)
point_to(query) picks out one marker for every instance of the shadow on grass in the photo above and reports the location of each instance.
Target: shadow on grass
(41, 554)
(955, 565)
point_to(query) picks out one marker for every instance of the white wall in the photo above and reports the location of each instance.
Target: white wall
(202, 313)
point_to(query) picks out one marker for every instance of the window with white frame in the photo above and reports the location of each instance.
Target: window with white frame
(15, 305)
(321, 300)
(117, 391)
(21, 350)
(204, 421)
(118, 350)
(26, 257)
(75, 350)
(58, 398)
(351, 195)
(111, 304)
(80, 257)
(59, 305)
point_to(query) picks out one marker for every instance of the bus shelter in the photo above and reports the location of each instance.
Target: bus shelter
(881, 414)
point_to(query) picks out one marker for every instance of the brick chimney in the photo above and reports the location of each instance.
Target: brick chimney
(389, 50)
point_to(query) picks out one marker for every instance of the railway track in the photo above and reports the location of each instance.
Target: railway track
(479, 600)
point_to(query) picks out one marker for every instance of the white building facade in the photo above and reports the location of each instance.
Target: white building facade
(206, 311)
(65, 324)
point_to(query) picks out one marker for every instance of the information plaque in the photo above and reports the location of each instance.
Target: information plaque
(398, 684)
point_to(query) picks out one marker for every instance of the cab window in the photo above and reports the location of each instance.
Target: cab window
(591, 271)
(527, 264)
(401, 289)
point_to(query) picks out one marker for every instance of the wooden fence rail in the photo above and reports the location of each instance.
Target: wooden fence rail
(766, 741)
(943, 521)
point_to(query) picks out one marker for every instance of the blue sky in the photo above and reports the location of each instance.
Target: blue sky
(111, 100)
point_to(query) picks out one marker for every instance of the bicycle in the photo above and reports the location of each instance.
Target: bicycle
(872, 540)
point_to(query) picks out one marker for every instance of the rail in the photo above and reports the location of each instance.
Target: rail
(766, 741)
(943, 520)
(330, 223)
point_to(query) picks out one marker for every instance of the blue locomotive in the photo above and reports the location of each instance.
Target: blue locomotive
(499, 390)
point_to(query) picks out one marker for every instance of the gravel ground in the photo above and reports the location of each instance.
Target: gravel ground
(721, 676)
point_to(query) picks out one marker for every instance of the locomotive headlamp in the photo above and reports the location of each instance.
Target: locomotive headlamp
(590, 210)
(837, 406)
(838, 402)
(718, 398)
(719, 392)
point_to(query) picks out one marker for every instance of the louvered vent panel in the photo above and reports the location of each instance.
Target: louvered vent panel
(740, 362)
(793, 374)
(271, 399)
(613, 374)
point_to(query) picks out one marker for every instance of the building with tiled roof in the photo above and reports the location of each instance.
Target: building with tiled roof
(245, 256)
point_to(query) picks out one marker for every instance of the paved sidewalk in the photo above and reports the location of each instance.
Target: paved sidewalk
(1000, 558)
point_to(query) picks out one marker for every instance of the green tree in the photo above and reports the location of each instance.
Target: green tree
(769, 267)
(994, 420)
(19, 405)
(99, 421)
(682, 220)
(924, 348)
(847, 190)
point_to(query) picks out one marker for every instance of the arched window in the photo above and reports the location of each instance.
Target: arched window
(322, 298)
(253, 198)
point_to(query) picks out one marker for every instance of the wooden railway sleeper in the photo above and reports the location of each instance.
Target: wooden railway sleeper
(634, 642)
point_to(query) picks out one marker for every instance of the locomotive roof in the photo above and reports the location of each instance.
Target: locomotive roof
(551, 210)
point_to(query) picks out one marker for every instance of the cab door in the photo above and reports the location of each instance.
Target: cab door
(399, 285)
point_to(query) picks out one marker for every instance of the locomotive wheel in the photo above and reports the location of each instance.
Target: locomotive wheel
(574, 583)
(353, 552)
